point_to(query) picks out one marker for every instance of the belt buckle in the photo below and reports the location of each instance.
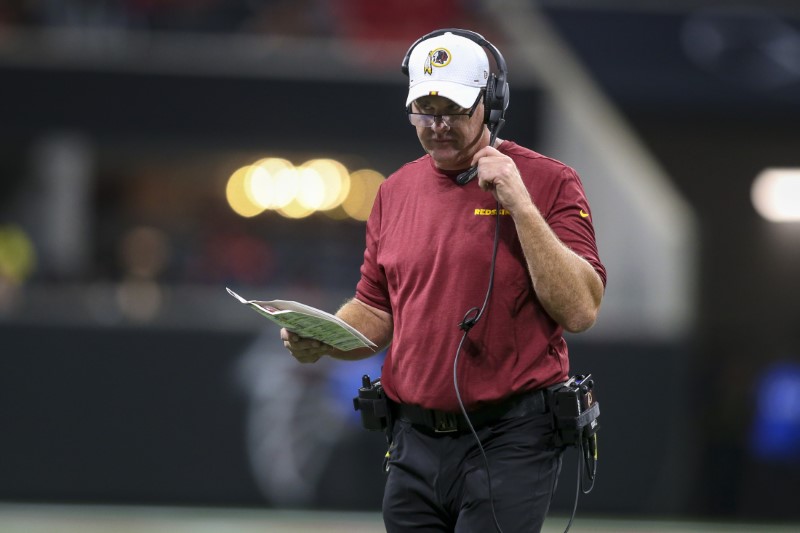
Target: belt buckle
(445, 422)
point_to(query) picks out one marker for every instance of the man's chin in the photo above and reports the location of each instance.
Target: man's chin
(447, 159)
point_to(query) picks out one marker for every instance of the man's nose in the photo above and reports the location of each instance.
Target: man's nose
(439, 123)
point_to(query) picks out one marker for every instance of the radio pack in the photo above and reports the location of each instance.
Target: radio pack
(575, 411)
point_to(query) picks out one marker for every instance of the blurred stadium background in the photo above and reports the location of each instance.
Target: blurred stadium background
(154, 152)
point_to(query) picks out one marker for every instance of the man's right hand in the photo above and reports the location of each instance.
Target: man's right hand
(303, 349)
(375, 324)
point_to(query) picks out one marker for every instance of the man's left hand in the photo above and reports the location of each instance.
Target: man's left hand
(498, 173)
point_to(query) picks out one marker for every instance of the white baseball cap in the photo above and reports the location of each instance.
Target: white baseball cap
(447, 65)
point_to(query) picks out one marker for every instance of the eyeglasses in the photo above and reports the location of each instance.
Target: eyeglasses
(425, 120)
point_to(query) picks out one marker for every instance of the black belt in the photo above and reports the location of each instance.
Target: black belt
(519, 405)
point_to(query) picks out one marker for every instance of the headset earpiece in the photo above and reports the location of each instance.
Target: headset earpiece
(488, 99)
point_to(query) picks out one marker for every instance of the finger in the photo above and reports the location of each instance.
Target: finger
(486, 151)
(485, 181)
(287, 335)
(307, 357)
(300, 343)
(477, 158)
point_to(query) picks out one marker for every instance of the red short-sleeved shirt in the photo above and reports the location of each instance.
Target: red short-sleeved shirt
(427, 262)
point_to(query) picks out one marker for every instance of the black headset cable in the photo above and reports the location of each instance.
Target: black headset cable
(470, 319)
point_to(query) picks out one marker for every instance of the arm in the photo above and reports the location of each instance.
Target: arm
(374, 323)
(566, 284)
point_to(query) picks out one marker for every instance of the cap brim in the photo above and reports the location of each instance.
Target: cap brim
(463, 95)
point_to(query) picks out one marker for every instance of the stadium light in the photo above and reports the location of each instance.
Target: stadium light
(776, 194)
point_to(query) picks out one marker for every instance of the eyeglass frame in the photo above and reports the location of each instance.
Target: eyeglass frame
(444, 117)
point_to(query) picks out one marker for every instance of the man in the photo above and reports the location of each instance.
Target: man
(427, 267)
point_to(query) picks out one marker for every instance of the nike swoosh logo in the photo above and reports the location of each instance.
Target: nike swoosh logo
(583, 213)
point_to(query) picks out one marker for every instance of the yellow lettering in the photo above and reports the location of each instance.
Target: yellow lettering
(491, 212)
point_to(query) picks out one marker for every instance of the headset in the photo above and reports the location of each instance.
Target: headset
(495, 95)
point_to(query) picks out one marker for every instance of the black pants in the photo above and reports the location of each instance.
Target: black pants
(438, 482)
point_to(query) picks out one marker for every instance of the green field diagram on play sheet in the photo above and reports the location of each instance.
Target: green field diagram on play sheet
(309, 322)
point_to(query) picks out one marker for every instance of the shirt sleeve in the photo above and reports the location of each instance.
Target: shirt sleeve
(570, 218)
(372, 288)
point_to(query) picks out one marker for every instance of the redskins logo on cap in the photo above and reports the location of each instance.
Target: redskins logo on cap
(439, 57)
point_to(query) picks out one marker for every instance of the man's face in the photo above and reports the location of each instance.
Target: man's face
(451, 145)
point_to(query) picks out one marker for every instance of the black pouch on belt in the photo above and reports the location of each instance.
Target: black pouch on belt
(373, 405)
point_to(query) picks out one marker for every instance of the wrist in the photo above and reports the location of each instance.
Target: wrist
(524, 210)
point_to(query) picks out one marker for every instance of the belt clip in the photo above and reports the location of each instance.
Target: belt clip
(445, 422)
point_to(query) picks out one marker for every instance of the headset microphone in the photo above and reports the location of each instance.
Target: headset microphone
(469, 174)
